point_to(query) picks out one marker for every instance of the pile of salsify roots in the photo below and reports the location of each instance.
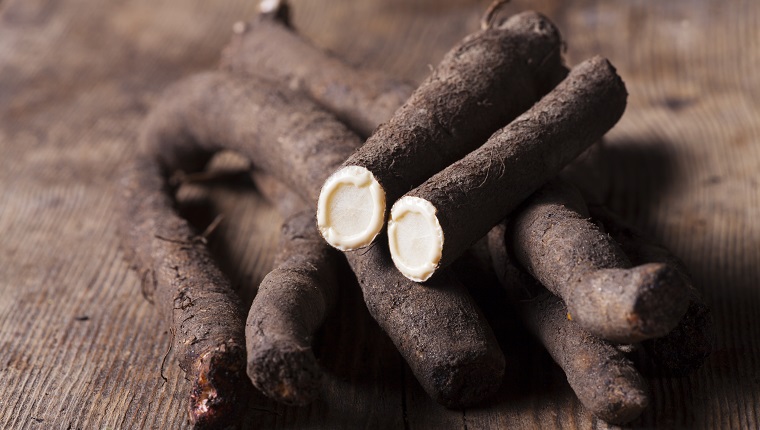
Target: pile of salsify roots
(484, 168)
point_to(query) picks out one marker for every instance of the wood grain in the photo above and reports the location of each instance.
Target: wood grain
(80, 347)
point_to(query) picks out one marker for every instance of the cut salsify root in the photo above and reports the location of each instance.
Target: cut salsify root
(458, 205)
(490, 78)
(363, 101)
(553, 238)
(603, 379)
(351, 208)
(451, 351)
(463, 369)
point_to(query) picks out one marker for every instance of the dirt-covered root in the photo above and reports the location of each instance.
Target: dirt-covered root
(289, 307)
(436, 327)
(465, 341)
(281, 132)
(457, 206)
(438, 331)
(554, 239)
(484, 82)
(291, 303)
(179, 275)
(688, 345)
(194, 119)
(628, 305)
(603, 379)
(213, 111)
(267, 46)
(451, 351)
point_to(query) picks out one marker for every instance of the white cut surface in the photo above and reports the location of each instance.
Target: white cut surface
(351, 208)
(269, 6)
(415, 238)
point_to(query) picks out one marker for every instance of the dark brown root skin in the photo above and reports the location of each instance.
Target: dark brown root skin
(197, 118)
(629, 305)
(436, 327)
(478, 191)
(603, 379)
(687, 346)
(465, 365)
(211, 111)
(180, 276)
(285, 370)
(360, 98)
(451, 350)
(315, 74)
(484, 82)
(556, 242)
(289, 307)
(371, 98)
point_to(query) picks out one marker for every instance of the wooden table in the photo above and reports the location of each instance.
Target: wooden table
(81, 348)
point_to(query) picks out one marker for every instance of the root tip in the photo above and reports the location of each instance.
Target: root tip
(215, 393)
(286, 372)
(662, 302)
(278, 10)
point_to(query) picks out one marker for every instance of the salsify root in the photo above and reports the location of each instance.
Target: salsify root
(687, 346)
(436, 222)
(268, 46)
(553, 238)
(178, 273)
(279, 131)
(484, 82)
(363, 99)
(603, 379)
(289, 307)
(451, 350)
